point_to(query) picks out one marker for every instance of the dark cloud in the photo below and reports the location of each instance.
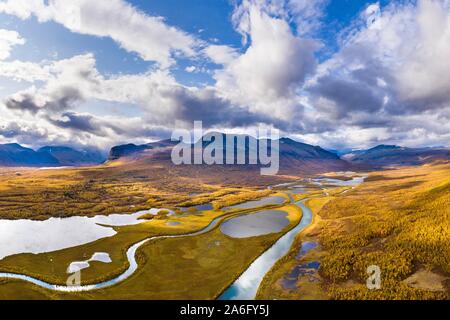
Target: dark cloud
(62, 98)
(25, 102)
(347, 96)
(206, 106)
(79, 122)
(22, 134)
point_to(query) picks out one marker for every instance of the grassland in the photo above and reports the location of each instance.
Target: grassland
(112, 188)
(189, 267)
(398, 220)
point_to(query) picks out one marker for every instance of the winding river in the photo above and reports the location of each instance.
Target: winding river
(244, 288)
(131, 256)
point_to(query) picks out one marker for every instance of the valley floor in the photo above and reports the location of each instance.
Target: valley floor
(397, 220)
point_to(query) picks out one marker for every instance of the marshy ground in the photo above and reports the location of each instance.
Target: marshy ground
(397, 219)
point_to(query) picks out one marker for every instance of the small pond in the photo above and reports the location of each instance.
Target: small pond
(200, 207)
(257, 203)
(173, 223)
(257, 224)
(30, 236)
(80, 265)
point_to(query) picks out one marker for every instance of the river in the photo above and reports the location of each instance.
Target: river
(244, 288)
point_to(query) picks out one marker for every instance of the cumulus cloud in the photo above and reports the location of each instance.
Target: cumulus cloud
(163, 102)
(190, 69)
(135, 31)
(424, 76)
(24, 71)
(33, 101)
(78, 122)
(390, 69)
(221, 54)
(388, 82)
(67, 83)
(12, 130)
(256, 86)
(405, 46)
(305, 15)
(9, 39)
(266, 77)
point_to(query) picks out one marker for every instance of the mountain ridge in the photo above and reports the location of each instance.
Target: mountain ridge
(15, 155)
(293, 154)
(383, 156)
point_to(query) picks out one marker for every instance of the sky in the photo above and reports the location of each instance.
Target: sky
(335, 73)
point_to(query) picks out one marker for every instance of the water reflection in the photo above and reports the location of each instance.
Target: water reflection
(257, 224)
(305, 248)
(246, 286)
(29, 236)
(306, 269)
(131, 257)
(200, 207)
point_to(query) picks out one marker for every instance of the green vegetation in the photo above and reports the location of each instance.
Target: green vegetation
(164, 263)
(271, 287)
(113, 188)
(397, 220)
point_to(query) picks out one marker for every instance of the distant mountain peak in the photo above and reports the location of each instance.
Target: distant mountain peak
(14, 146)
(391, 155)
(385, 147)
(15, 155)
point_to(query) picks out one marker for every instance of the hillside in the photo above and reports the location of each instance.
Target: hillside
(390, 156)
(295, 157)
(15, 155)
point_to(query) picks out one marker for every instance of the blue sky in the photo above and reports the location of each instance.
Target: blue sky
(339, 73)
(209, 20)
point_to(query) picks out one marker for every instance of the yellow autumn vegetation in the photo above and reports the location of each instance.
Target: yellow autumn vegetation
(398, 220)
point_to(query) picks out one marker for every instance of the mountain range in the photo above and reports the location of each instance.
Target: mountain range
(295, 157)
(383, 156)
(15, 155)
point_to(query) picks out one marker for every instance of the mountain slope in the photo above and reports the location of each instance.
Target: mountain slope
(14, 155)
(390, 156)
(294, 157)
(130, 149)
(70, 157)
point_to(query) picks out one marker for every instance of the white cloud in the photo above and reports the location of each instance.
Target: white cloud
(9, 39)
(220, 54)
(389, 82)
(132, 29)
(408, 46)
(372, 13)
(424, 73)
(306, 15)
(267, 75)
(391, 70)
(164, 103)
(190, 69)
